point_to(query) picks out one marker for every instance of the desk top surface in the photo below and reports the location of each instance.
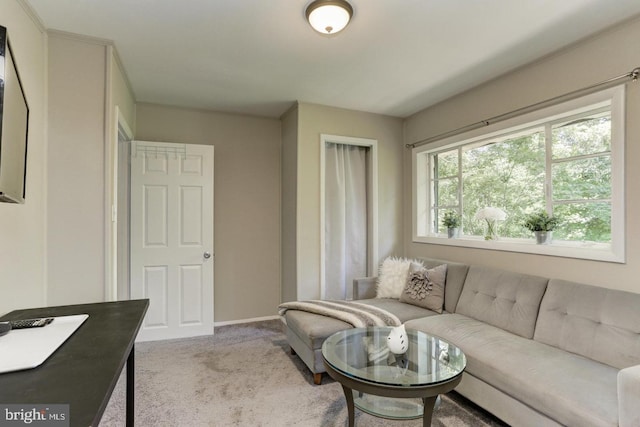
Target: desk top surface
(85, 369)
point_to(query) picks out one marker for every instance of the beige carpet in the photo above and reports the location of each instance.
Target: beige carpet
(245, 376)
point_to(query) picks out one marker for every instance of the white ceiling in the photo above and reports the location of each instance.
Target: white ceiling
(259, 56)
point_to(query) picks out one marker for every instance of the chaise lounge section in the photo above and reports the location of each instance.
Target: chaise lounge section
(539, 352)
(307, 331)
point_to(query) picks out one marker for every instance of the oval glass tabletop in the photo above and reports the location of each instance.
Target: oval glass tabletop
(362, 353)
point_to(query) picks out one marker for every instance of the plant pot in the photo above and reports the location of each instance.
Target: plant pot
(543, 237)
(453, 232)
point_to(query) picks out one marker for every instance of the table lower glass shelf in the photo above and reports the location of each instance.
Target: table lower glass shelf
(389, 407)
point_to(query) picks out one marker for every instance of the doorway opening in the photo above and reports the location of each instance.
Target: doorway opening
(117, 210)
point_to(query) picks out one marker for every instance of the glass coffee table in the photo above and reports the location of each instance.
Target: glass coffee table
(391, 386)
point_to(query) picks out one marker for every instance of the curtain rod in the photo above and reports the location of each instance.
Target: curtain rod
(632, 75)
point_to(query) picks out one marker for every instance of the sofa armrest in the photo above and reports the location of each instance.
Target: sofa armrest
(629, 396)
(364, 287)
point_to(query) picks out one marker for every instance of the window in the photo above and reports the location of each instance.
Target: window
(566, 160)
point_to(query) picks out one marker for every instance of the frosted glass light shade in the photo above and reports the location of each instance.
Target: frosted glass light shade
(329, 16)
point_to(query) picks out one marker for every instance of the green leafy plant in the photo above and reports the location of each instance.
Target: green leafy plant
(540, 221)
(451, 219)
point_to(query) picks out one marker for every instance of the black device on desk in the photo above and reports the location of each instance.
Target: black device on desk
(5, 327)
(30, 323)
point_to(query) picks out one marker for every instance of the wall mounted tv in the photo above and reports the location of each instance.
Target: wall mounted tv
(14, 125)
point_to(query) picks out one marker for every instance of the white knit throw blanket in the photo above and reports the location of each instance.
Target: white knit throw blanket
(357, 314)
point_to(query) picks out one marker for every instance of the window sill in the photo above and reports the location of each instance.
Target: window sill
(581, 250)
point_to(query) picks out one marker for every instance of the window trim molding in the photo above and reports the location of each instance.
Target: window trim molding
(613, 253)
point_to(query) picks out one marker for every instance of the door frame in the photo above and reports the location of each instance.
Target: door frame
(111, 215)
(372, 208)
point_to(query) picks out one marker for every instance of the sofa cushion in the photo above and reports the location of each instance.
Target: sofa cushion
(571, 389)
(456, 275)
(425, 288)
(503, 299)
(313, 328)
(598, 323)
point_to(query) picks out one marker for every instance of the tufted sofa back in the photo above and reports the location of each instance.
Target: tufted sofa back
(598, 323)
(507, 300)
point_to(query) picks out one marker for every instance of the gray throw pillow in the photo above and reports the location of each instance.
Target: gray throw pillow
(425, 288)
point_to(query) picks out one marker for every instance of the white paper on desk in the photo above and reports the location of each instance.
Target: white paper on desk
(29, 348)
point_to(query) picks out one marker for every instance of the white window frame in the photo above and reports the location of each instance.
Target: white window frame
(614, 252)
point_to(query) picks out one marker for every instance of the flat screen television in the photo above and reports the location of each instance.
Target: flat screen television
(14, 125)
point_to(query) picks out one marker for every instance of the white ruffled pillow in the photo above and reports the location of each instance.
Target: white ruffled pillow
(392, 276)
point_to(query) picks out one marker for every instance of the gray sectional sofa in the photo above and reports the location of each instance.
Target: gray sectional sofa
(540, 352)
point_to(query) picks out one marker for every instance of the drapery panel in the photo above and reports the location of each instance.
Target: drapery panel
(345, 218)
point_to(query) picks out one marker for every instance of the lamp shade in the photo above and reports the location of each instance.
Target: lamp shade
(329, 16)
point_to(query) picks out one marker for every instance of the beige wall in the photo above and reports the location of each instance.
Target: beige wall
(22, 226)
(289, 184)
(246, 200)
(75, 173)
(52, 249)
(314, 120)
(599, 58)
(86, 83)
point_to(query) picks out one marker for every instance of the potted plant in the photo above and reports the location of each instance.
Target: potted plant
(451, 220)
(542, 225)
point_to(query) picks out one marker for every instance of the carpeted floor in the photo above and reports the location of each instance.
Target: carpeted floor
(245, 376)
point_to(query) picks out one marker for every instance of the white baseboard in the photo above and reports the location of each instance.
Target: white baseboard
(255, 319)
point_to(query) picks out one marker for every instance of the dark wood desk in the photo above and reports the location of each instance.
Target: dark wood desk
(85, 369)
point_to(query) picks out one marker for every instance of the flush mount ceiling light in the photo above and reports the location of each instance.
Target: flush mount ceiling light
(329, 16)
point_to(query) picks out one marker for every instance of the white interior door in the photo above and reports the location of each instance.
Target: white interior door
(172, 238)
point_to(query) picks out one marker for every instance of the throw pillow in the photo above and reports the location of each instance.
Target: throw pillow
(425, 288)
(392, 277)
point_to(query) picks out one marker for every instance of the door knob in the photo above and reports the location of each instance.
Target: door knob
(207, 255)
